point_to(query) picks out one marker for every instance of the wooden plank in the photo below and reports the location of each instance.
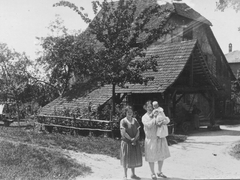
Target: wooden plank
(71, 127)
(71, 118)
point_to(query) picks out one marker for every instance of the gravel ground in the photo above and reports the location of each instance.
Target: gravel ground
(204, 155)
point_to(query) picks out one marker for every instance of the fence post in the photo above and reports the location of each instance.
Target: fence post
(111, 124)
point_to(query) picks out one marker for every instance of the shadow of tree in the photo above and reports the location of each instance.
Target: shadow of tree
(221, 132)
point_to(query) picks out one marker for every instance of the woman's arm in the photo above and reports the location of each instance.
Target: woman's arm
(148, 122)
(138, 131)
(125, 134)
(166, 120)
(123, 130)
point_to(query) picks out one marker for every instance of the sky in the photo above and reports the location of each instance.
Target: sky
(21, 21)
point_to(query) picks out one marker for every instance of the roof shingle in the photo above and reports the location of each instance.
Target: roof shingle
(172, 58)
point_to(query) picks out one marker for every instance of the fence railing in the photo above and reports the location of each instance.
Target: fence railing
(91, 125)
(75, 123)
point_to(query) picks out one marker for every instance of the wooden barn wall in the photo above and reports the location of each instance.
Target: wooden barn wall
(138, 101)
(211, 52)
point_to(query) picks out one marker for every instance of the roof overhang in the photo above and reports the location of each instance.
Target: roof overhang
(174, 60)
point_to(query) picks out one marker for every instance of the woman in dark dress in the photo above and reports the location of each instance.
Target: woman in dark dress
(131, 156)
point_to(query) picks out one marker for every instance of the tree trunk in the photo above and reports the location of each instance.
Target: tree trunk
(18, 115)
(113, 108)
(113, 101)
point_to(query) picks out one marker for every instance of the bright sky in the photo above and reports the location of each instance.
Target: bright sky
(21, 21)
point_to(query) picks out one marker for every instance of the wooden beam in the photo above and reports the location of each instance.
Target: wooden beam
(174, 93)
(174, 108)
(191, 89)
(191, 72)
(72, 118)
(71, 127)
(179, 98)
(212, 118)
(207, 98)
(167, 101)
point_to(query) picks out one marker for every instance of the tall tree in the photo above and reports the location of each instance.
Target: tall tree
(13, 75)
(62, 56)
(223, 4)
(124, 31)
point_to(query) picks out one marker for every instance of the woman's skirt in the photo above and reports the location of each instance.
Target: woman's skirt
(130, 155)
(156, 149)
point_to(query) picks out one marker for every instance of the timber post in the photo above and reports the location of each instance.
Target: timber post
(112, 113)
(174, 112)
(167, 102)
(212, 118)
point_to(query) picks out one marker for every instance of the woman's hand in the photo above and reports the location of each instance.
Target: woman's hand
(160, 123)
(134, 140)
(166, 120)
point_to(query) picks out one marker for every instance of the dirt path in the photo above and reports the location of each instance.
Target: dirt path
(204, 155)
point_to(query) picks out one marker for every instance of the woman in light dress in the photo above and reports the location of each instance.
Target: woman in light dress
(156, 149)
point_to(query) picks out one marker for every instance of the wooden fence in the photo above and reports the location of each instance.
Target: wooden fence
(61, 122)
(91, 125)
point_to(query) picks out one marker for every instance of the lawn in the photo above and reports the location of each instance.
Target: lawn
(88, 144)
(21, 161)
(28, 154)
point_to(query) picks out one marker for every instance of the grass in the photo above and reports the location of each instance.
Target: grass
(27, 154)
(20, 161)
(235, 151)
(88, 144)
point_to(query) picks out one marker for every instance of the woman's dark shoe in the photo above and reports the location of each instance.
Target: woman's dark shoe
(154, 176)
(135, 177)
(161, 175)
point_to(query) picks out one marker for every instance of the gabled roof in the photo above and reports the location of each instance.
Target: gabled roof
(233, 57)
(172, 59)
(179, 8)
(79, 97)
(184, 10)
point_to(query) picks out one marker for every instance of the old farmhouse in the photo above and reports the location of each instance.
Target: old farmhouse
(192, 70)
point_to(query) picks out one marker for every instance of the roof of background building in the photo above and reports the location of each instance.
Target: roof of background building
(171, 59)
(233, 57)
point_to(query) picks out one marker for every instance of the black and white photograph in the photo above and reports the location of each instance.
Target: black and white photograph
(119, 89)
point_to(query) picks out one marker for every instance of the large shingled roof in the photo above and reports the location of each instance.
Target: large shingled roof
(172, 58)
(171, 61)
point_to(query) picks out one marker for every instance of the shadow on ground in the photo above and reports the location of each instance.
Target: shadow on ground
(169, 178)
(204, 131)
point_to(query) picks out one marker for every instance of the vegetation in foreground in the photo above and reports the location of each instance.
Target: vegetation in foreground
(88, 144)
(21, 161)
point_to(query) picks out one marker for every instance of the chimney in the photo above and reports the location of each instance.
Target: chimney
(230, 47)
